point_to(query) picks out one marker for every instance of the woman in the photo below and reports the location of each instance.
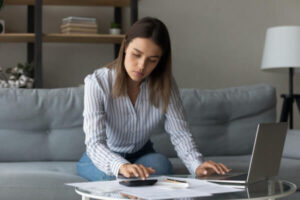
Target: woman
(125, 100)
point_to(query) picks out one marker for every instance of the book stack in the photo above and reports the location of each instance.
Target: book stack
(79, 25)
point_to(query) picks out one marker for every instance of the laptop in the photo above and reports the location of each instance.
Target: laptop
(265, 159)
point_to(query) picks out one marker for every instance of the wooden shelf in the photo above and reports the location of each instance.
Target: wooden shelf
(17, 37)
(83, 38)
(115, 3)
(59, 37)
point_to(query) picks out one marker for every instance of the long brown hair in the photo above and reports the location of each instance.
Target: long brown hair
(160, 78)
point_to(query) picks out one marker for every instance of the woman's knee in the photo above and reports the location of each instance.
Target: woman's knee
(157, 161)
(87, 170)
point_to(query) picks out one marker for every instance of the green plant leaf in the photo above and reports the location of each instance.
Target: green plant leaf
(8, 70)
(20, 66)
(115, 25)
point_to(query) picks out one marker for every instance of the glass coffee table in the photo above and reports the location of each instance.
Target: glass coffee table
(271, 189)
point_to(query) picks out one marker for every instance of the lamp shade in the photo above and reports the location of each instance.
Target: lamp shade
(282, 48)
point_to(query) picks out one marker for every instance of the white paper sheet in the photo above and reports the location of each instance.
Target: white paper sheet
(197, 188)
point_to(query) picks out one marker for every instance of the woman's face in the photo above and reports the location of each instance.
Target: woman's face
(141, 57)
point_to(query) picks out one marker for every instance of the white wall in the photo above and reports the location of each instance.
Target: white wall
(215, 43)
(219, 43)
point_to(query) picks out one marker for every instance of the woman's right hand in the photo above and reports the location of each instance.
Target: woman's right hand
(135, 170)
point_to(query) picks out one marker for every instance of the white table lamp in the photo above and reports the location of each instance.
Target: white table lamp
(282, 54)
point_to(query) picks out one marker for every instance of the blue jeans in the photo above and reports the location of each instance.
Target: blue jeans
(146, 156)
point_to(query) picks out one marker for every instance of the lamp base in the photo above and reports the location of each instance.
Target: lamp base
(287, 108)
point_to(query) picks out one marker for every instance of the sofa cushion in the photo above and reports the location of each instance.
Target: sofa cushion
(41, 124)
(291, 146)
(224, 121)
(38, 180)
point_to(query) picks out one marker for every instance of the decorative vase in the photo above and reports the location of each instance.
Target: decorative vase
(115, 31)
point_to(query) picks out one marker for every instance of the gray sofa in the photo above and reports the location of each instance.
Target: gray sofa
(41, 136)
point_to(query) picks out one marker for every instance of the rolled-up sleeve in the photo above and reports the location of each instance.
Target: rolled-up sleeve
(180, 135)
(94, 129)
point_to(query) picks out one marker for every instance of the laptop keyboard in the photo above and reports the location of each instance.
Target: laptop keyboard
(239, 177)
(229, 177)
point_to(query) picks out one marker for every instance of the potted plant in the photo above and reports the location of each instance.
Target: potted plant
(115, 28)
(20, 76)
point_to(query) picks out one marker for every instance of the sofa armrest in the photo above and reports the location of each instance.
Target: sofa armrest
(292, 145)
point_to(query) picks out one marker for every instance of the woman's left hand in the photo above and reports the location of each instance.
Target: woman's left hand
(209, 167)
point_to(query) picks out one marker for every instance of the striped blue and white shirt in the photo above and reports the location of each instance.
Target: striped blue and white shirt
(115, 124)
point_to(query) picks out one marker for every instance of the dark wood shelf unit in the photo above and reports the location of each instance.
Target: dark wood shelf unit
(35, 37)
(113, 3)
(62, 38)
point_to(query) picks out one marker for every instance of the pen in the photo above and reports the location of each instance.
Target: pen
(174, 180)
